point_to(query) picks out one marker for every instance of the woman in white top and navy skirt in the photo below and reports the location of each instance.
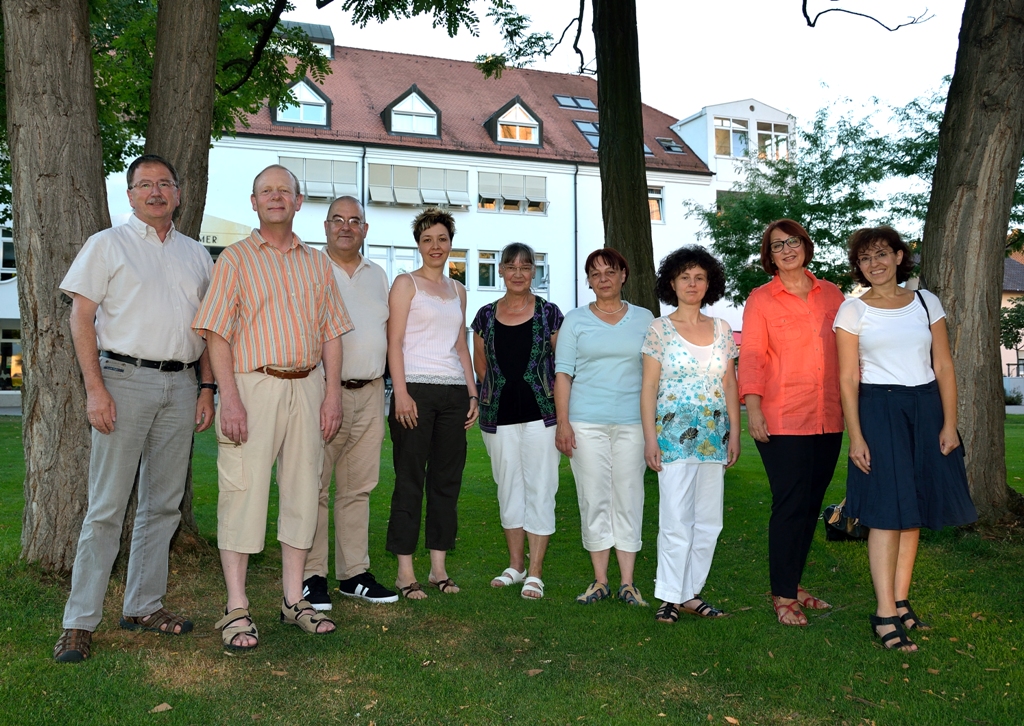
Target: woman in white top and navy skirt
(899, 400)
(434, 402)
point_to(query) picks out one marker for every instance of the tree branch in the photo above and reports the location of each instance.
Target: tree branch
(257, 52)
(575, 43)
(913, 20)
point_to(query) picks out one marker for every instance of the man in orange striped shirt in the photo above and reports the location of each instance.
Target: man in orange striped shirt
(272, 314)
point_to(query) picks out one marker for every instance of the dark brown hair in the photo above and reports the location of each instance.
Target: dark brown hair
(682, 260)
(609, 256)
(428, 218)
(867, 237)
(793, 229)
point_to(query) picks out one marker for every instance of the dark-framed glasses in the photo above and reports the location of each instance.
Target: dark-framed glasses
(340, 221)
(793, 242)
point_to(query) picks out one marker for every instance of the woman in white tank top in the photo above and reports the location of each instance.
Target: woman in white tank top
(434, 402)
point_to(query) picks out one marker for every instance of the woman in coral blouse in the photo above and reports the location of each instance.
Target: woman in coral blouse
(789, 375)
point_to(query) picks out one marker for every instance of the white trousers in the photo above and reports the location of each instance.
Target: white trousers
(609, 467)
(689, 522)
(524, 462)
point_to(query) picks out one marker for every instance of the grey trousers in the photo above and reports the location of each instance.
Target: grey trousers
(155, 420)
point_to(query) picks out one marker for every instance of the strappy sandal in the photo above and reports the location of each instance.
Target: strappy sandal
(410, 588)
(304, 616)
(792, 608)
(895, 639)
(917, 623)
(631, 596)
(229, 632)
(704, 610)
(810, 602)
(155, 621)
(73, 646)
(534, 586)
(447, 585)
(509, 576)
(667, 613)
(595, 591)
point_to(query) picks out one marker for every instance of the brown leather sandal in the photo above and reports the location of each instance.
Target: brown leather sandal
(155, 622)
(791, 608)
(74, 646)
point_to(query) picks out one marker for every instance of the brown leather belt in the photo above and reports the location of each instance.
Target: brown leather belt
(356, 385)
(289, 375)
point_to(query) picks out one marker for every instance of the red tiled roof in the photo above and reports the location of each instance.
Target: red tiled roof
(364, 82)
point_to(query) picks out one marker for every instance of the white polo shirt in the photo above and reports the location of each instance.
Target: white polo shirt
(365, 347)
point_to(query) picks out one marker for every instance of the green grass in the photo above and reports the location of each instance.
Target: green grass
(467, 658)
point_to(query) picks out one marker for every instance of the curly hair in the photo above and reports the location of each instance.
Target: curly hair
(793, 229)
(428, 218)
(682, 260)
(867, 237)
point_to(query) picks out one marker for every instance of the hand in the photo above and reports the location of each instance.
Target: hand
(949, 439)
(860, 455)
(405, 409)
(757, 426)
(101, 410)
(732, 451)
(331, 414)
(474, 413)
(233, 420)
(204, 410)
(652, 455)
(565, 439)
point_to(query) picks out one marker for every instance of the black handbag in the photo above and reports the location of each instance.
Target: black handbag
(839, 527)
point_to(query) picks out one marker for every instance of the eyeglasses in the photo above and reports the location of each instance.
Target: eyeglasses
(793, 242)
(341, 221)
(148, 186)
(518, 269)
(865, 260)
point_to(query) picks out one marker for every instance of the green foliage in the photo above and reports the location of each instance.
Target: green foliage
(826, 185)
(1014, 398)
(1011, 324)
(521, 47)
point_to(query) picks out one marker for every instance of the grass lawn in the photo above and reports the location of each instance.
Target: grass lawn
(489, 657)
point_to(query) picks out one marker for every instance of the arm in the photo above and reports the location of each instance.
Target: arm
(100, 407)
(752, 368)
(204, 404)
(233, 421)
(399, 301)
(649, 411)
(331, 413)
(565, 437)
(942, 362)
(848, 346)
(479, 358)
(462, 348)
(732, 406)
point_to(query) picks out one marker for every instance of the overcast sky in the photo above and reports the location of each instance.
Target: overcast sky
(694, 54)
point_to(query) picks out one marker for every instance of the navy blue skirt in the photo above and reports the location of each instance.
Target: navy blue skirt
(911, 483)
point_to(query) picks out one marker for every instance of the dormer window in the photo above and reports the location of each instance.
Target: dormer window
(412, 113)
(309, 107)
(518, 126)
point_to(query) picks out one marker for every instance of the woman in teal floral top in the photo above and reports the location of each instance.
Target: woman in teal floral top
(688, 401)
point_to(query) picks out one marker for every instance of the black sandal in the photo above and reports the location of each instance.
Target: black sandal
(917, 623)
(894, 640)
(704, 610)
(667, 613)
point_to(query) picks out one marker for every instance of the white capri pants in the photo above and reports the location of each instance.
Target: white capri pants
(609, 467)
(524, 463)
(689, 522)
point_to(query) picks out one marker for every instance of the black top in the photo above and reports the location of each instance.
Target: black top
(512, 345)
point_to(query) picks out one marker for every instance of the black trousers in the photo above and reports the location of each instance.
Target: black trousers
(799, 470)
(433, 453)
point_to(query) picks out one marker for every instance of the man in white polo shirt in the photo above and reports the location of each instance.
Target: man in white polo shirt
(135, 289)
(353, 456)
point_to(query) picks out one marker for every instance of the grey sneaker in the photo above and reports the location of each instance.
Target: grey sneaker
(314, 590)
(366, 587)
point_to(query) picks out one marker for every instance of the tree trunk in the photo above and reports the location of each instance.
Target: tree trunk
(58, 200)
(980, 144)
(624, 206)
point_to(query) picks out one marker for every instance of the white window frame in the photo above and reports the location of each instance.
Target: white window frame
(323, 179)
(517, 119)
(541, 272)
(457, 257)
(491, 259)
(656, 195)
(735, 128)
(7, 272)
(308, 103)
(418, 186)
(511, 194)
(390, 257)
(414, 110)
(775, 136)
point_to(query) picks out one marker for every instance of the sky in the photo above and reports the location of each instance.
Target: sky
(695, 54)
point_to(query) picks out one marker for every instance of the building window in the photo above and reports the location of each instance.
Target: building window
(7, 265)
(647, 150)
(590, 130)
(670, 145)
(309, 107)
(396, 184)
(540, 271)
(394, 260)
(517, 126)
(487, 270)
(413, 116)
(10, 359)
(457, 266)
(575, 102)
(512, 193)
(772, 140)
(731, 137)
(655, 199)
(323, 178)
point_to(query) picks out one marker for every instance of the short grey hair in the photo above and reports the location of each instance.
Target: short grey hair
(517, 251)
(351, 200)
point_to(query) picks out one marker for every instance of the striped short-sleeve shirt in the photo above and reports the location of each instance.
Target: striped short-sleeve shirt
(274, 308)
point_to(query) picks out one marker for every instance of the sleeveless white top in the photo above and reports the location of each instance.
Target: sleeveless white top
(431, 332)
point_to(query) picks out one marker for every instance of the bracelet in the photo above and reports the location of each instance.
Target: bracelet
(211, 386)
(474, 398)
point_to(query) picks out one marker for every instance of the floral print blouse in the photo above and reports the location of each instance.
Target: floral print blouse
(691, 419)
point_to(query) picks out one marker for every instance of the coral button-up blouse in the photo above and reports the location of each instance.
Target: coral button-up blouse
(788, 357)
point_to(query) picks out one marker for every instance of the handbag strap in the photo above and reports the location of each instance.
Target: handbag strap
(928, 316)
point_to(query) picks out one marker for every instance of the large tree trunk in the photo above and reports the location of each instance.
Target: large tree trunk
(980, 144)
(627, 216)
(59, 199)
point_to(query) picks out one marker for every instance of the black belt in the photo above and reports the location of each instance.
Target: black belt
(168, 366)
(355, 384)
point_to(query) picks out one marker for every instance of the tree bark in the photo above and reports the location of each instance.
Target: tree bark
(58, 200)
(624, 205)
(981, 140)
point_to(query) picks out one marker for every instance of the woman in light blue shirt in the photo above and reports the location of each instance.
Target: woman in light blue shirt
(597, 404)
